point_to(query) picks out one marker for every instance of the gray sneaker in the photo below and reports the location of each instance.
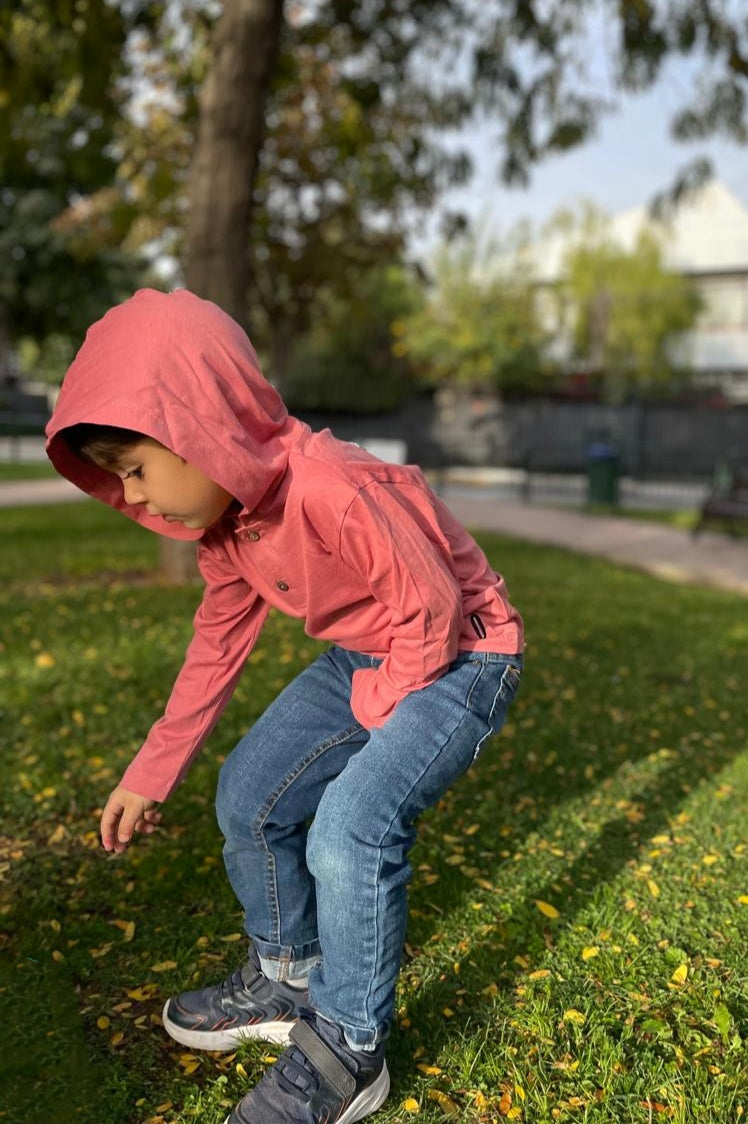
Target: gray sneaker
(245, 1005)
(317, 1080)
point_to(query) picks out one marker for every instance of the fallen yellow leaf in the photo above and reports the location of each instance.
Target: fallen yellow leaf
(571, 1015)
(140, 994)
(653, 888)
(548, 910)
(127, 927)
(680, 975)
(590, 952)
(44, 659)
(411, 1105)
(164, 966)
(446, 1104)
(431, 1070)
(102, 1022)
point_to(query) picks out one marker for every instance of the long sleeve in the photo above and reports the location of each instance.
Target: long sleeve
(404, 571)
(226, 626)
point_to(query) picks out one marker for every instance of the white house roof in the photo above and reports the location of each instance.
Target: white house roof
(708, 233)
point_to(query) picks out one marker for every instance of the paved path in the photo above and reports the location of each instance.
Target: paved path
(18, 493)
(668, 552)
(713, 560)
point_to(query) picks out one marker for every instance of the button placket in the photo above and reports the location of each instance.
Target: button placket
(282, 586)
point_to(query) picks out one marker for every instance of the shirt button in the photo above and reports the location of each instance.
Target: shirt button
(253, 536)
(282, 586)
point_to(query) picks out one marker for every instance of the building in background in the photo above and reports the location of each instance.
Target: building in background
(706, 240)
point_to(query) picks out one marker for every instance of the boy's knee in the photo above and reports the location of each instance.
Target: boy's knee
(327, 856)
(235, 810)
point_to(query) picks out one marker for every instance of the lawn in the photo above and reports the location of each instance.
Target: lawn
(26, 470)
(579, 907)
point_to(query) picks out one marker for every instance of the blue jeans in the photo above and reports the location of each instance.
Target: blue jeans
(330, 899)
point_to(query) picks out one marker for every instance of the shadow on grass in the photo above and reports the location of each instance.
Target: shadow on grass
(522, 930)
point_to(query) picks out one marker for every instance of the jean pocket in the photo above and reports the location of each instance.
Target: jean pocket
(510, 681)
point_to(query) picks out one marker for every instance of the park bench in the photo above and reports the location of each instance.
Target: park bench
(726, 503)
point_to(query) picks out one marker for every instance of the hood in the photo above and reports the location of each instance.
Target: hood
(175, 368)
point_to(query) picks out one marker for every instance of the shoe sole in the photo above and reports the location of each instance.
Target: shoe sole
(370, 1099)
(222, 1040)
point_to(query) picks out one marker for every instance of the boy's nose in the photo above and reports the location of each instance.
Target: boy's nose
(133, 490)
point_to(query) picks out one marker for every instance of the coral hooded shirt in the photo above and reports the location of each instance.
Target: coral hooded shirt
(363, 552)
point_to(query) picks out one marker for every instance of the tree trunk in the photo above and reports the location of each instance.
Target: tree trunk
(230, 133)
(229, 139)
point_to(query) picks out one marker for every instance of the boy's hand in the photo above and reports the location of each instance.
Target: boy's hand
(126, 812)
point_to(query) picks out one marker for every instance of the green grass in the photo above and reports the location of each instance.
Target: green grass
(25, 470)
(683, 518)
(579, 908)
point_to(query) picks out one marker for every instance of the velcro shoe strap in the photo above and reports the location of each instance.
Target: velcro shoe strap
(323, 1059)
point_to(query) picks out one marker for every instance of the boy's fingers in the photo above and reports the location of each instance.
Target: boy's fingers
(124, 814)
(127, 824)
(109, 818)
(149, 820)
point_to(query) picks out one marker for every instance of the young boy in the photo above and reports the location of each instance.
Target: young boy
(164, 415)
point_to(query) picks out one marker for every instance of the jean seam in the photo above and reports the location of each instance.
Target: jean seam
(271, 883)
(475, 683)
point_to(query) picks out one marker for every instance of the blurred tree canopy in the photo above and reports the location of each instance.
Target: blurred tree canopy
(355, 105)
(625, 307)
(351, 359)
(478, 326)
(60, 64)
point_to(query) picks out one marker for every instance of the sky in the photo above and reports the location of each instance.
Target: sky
(631, 159)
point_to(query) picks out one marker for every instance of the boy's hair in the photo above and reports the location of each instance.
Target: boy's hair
(104, 445)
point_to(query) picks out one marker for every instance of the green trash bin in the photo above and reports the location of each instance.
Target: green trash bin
(603, 473)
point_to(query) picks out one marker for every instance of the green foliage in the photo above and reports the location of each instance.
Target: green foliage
(98, 119)
(478, 325)
(351, 360)
(59, 65)
(627, 307)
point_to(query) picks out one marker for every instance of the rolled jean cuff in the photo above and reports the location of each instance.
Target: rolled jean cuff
(364, 1040)
(289, 962)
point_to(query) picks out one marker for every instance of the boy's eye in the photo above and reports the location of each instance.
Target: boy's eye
(136, 472)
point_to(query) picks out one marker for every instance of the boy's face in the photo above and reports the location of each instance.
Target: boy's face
(167, 485)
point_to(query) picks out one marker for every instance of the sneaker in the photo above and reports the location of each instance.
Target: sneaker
(318, 1080)
(246, 1005)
